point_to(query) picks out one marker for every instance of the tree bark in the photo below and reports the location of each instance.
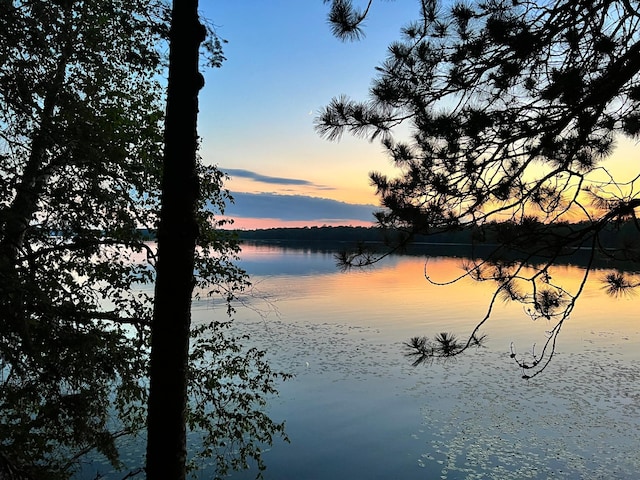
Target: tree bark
(177, 235)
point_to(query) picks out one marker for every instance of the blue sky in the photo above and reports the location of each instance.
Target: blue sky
(256, 112)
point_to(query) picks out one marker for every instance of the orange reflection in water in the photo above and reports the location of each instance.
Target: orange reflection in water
(341, 333)
(395, 298)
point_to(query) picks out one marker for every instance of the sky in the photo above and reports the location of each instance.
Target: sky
(257, 111)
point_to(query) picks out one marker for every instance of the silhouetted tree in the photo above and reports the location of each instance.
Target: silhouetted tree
(79, 143)
(81, 113)
(513, 107)
(177, 236)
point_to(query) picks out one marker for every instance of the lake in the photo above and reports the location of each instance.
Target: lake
(357, 409)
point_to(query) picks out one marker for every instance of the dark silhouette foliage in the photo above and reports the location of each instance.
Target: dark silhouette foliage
(81, 144)
(513, 108)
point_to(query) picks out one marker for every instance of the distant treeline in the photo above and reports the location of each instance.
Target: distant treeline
(347, 235)
(476, 242)
(500, 240)
(613, 236)
(314, 234)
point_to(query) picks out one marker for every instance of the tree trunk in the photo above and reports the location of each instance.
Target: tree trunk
(177, 234)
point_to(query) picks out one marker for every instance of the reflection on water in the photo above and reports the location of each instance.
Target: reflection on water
(356, 409)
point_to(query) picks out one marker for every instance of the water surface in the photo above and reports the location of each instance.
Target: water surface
(357, 409)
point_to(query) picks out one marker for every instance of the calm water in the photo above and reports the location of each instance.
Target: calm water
(356, 409)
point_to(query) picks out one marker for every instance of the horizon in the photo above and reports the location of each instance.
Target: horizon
(257, 112)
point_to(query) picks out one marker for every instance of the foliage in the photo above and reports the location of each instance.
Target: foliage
(80, 141)
(513, 106)
(229, 382)
(232, 422)
(81, 112)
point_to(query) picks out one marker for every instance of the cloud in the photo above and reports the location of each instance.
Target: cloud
(237, 172)
(296, 207)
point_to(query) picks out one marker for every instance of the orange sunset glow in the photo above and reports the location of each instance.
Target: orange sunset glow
(249, 223)
(397, 288)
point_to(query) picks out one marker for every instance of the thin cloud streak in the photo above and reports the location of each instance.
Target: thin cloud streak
(238, 172)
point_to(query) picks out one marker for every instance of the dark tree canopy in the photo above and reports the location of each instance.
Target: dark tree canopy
(81, 117)
(79, 147)
(513, 108)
